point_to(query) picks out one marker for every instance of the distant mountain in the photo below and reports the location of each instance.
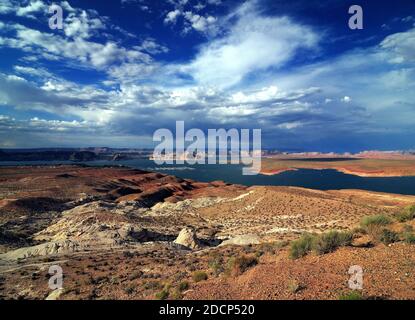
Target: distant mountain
(48, 156)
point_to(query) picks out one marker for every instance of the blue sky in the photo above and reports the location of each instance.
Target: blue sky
(121, 69)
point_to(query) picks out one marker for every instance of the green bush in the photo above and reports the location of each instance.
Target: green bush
(162, 295)
(215, 263)
(129, 289)
(409, 237)
(407, 228)
(199, 276)
(406, 214)
(299, 248)
(294, 286)
(176, 295)
(330, 241)
(152, 285)
(377, 220)
(240, 264)
(388, 236)
(354, 295)
(184, 285)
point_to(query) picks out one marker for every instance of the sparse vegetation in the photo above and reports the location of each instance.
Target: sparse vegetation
(330, 241)
(388, 236)
(377, 220)
(198, 276)
(406, 214)
(176, 294)
(353, 295)
(270, 247)
(299, 248)
(184, 285)
(129, 289)
(375, 226)
(135, 275)
(238, 265)
(409, 237)
(321, 244)
(162, 295)
(215, 263)
(152, 285)
(294, 286)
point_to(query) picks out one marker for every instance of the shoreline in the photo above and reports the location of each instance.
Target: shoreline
(342, 170)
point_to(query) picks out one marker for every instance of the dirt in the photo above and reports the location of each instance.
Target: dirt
(113, 232)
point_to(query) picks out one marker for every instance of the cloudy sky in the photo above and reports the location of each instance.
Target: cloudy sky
(121, 69)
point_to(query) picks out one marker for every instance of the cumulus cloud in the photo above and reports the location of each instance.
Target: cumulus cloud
(354, 93)
(400, 46)
(205, 24)
(172, 16)
(32, 7)
(253, 43)
(92, 54)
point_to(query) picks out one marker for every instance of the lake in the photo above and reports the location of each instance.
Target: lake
(306, 178)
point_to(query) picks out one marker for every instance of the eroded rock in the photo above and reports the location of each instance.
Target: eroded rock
(187, 238)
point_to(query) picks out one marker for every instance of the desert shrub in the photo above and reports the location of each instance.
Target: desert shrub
(353, 295)
(294, 286)
(406, 214)
(176, 295)
(409, 237)
(162, 295)
(388, 236)
(359, 230)
(299, 248)
(238, 265)
(129, 289)
(270, 247)
(407, 228)
(184, 285)
(198, 276)
(135, 275)
(152, 285)
(330, 241)
(377, 220)
(215, 262)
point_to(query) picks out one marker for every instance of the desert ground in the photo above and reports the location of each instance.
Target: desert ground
(120, 233)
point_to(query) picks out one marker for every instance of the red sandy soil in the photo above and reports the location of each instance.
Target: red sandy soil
(32, 199)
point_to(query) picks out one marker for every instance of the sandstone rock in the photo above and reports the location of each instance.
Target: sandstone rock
(44, 249)
(187, 238)
(55, 294)
(362, 242)
(242, 240)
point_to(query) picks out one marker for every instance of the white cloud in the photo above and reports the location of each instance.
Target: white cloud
(91, 54)
(81, 24)
(346, 99)
(400, 46)
(172, 16)
(151, 46)
(253, 43)
(33, 7)
(6, 7)
(200, 23)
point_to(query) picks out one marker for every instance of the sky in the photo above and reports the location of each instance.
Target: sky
(121, 69)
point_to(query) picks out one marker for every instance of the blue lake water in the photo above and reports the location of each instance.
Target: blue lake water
(314, 179)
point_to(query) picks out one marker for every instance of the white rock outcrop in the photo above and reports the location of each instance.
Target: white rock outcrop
(187, 238)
